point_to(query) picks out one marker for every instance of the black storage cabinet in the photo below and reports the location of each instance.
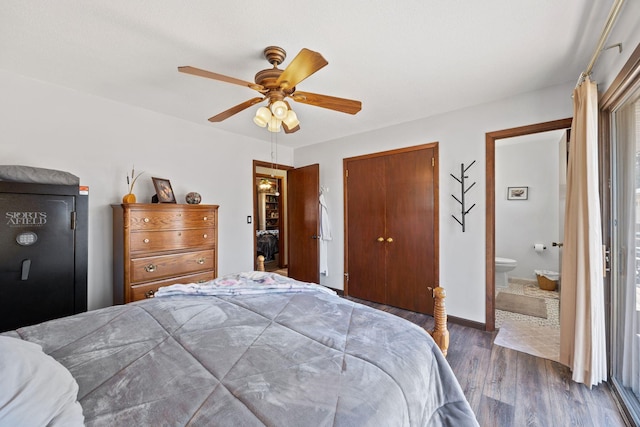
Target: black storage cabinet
(43, 252)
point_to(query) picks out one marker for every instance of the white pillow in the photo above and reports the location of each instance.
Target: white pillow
(36, 389)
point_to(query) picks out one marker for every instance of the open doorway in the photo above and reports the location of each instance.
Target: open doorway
(490, 262)
(270, 221)
(296, 221)
(530, 178)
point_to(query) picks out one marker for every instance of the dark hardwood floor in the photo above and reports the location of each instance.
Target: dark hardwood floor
(508, 388)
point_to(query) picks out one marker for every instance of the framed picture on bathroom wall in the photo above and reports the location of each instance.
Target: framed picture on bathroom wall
(517, 193)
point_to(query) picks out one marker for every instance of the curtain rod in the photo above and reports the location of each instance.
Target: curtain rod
(613, 14)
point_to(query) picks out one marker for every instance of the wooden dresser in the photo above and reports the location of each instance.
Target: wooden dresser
(161, 244)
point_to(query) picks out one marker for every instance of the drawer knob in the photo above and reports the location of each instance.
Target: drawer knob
(205, 218)
(146, 220)
(150, 294)
(200, 261)
(150, 268)
(146, 240)
(205, 235)
(202, 281)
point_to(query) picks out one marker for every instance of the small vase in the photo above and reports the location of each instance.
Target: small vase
(129, 198)
(193, 198)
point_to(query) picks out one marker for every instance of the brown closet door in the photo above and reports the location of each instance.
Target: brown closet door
(303, 213)
(365, 195)
(410, 220)
(391, 228)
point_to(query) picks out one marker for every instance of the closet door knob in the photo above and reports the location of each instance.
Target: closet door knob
(380, 239)
(389, 240)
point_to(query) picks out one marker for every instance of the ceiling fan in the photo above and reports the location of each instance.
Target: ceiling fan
(275, 85)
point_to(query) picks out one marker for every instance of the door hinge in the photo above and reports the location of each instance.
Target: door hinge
(346, 276)
(433, 161)
(346, 172)
(73, 220)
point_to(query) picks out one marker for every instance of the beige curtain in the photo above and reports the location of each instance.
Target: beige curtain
(582, 325)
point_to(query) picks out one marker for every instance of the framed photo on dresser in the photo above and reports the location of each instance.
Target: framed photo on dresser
(164, 192)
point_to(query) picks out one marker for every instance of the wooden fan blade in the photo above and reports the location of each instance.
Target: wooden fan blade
(303, 65)
(331, 102)
(287, 130)
(215, 76)
(234, 110)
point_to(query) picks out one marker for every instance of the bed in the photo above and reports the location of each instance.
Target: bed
(248, 349)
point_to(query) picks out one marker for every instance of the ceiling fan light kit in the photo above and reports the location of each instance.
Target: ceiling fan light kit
(275, 85)
(274, 116)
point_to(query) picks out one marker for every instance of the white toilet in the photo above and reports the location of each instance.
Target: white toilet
(504, 265)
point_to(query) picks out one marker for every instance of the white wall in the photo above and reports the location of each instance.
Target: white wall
(522, 223)
(461, 138)
(98, 140)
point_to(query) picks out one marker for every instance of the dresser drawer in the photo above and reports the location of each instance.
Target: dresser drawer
(171, 219)
(147, 290)
(158, 267)
(152, 241)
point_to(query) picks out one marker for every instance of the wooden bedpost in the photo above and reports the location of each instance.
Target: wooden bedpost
(440, 333)
(260, 262)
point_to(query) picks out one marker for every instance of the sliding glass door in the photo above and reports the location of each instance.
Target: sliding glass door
(625, 251)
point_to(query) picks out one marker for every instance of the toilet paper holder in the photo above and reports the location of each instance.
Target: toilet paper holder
(539, 246)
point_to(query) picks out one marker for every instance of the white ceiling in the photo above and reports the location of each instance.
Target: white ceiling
(403, 59)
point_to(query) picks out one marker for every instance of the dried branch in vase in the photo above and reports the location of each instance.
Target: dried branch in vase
(131, 180)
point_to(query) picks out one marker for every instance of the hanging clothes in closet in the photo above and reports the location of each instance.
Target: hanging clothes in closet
(325, 235)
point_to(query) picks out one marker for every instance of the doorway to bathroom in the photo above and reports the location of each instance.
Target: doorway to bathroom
(511, 199)
(530, 182)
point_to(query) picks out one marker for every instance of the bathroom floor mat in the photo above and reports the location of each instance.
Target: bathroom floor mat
(529, 338)
(521, 304)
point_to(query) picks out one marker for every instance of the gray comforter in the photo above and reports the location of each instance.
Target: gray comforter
(279, 359)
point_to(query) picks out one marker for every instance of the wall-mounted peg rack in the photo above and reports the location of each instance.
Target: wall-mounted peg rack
(463, 191)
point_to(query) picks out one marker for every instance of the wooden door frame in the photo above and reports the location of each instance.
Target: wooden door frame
(436, 205)
(490, 166)
(255, 175)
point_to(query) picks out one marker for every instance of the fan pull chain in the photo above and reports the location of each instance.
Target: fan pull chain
(274, 137)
